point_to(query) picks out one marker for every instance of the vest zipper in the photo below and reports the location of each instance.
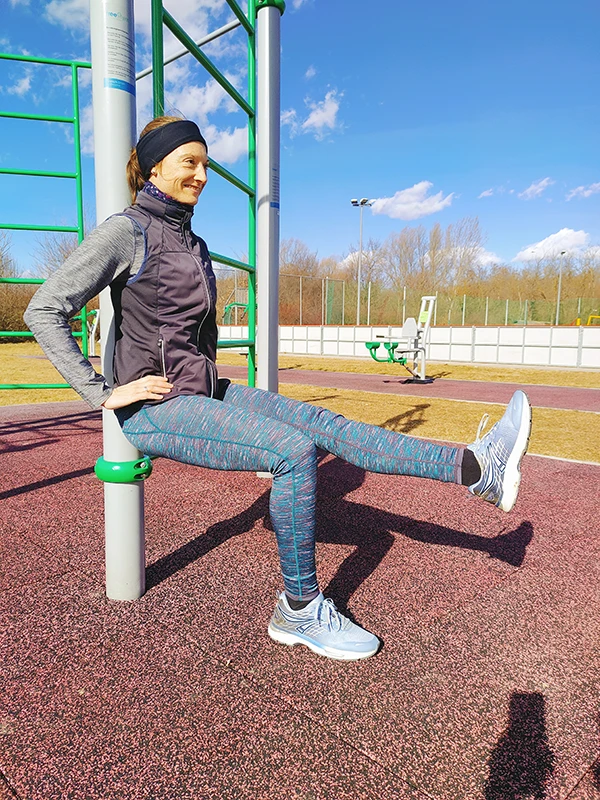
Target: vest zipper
(208, 298)
(161, 350)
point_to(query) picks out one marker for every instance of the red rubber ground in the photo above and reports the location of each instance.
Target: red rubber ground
(487, 685)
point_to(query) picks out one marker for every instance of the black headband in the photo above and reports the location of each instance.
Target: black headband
(155, 145)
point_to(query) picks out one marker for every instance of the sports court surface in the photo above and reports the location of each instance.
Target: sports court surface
(487, 685)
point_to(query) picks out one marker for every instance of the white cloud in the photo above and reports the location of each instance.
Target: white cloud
(298, 3)
(487, 193)
(566, 240)
(19, 3)
(486, 258)
(310, 72)
(21, 87)
(290, 118)
(323, 116)
(71, 14)
(584, 191)
(412, 203)
(536, 189)
(226, 146)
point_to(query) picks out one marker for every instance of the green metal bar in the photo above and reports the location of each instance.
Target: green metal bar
(225, 343)
(185, 40)
(21, 280)
(79, 190)
(249, 27)
(229, 176)
(41, 117)
(35, 386)
(252, 198)
(59, 228)
(231, 262)
(37, 60)
(38, 174)
(158, 67)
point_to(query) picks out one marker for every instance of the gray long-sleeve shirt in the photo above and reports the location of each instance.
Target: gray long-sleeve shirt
(114, 247)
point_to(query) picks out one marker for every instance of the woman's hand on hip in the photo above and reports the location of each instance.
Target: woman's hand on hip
(152, 387)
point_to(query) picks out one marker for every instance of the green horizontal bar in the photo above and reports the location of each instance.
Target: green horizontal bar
(36, 60)
(225, 343)
(41, 117)
(34, 386)
(180, 34)
(29, 334)
(37, 174)
(241, 16)
(22, 280)
(230, 262)
(229, 176)
(60, 228)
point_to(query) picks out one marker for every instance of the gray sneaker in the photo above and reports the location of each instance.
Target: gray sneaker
(500, 451)
(322, 628)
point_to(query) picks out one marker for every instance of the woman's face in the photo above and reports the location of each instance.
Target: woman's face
(182, 173)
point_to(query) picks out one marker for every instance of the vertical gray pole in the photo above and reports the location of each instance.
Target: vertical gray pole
(113, 86)
(268, 23)
(463, 308)
(359, 269)
(343, 302)
(369, 304)
(300, 299)
(506, 314)
(487, 307)
(322, 301)
(559, 288)
(403, 305)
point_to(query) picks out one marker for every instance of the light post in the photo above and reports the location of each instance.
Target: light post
(560, 271)
(364, 201)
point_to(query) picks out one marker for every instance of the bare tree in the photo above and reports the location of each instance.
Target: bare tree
(8, 266)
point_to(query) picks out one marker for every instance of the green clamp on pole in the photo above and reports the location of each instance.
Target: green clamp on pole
(123, 471)
(280, 4)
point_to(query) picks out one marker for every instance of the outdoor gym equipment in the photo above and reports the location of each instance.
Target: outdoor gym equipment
(410, 346)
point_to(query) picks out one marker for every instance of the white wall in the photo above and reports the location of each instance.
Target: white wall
(535, 346)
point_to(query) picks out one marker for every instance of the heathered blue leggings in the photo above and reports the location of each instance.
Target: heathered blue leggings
(259, 431)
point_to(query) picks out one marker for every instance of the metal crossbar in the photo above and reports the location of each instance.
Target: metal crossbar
(160, 17)
(76, 175)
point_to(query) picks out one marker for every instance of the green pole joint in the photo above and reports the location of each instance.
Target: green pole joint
(123, 471)
(280, 4)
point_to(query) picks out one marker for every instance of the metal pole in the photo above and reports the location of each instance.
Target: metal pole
(268, 25)
(359, 268)
(322, 301)
(300, 299)
(559, 287)
(525, 313)
(487, 305)
(506, 315)
(343, 302)
(369, 304)
(403, 305)
(113, 87)
(463, 308)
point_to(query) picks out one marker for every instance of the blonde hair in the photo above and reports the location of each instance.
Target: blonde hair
(135, 178)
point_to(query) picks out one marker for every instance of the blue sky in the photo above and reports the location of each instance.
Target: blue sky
(436, 110)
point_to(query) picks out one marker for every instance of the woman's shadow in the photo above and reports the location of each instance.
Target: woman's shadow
(340, 521)
(522, 762)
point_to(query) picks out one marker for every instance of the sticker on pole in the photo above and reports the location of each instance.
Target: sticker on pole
(120, 53)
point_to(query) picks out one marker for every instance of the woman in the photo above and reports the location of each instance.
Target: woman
(169, 401)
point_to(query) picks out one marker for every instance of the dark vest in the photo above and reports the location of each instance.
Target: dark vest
(165, 321)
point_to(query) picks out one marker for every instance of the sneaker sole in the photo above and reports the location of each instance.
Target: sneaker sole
(290, 639)
(512, 472)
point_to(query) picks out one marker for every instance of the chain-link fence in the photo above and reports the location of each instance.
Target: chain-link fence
(304, 300)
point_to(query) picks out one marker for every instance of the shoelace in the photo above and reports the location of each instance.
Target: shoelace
(482, 425)
(334, 619)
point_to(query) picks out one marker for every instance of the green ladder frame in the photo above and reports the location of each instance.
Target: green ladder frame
(79, 229)
(160, 17)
